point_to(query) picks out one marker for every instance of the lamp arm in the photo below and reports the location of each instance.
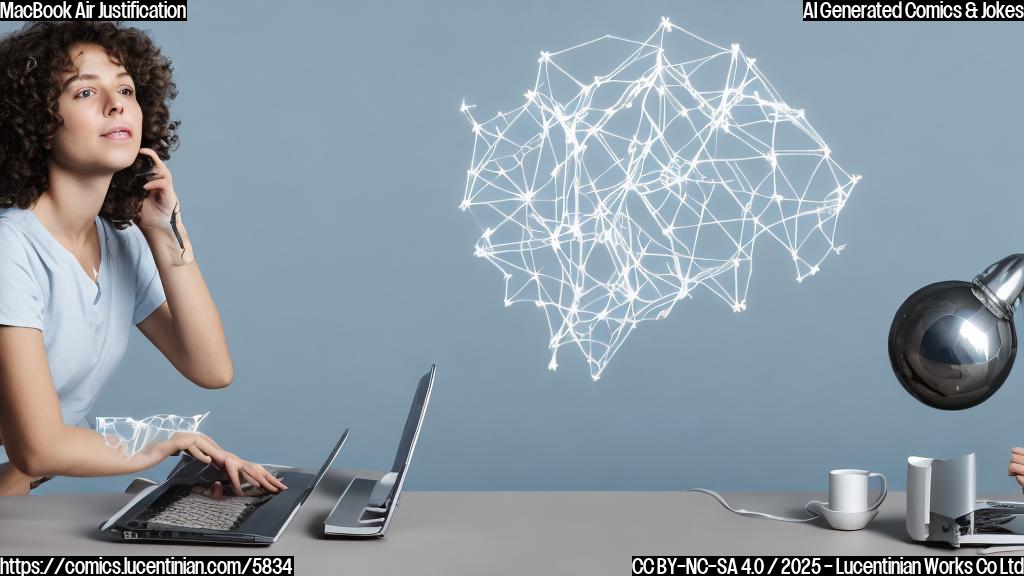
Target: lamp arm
(1001, 285)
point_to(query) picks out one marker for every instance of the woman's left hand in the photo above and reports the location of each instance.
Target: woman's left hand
(162, 203)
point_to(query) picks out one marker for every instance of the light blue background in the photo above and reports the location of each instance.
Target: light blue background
(322, 161)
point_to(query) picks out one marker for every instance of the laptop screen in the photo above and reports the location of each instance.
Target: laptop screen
(330, 459)
(414, 421)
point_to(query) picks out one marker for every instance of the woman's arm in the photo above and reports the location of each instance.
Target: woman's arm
(37, 441)
(186, 328)
(39, 444)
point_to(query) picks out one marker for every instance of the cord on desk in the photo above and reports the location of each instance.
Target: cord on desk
(743, 512)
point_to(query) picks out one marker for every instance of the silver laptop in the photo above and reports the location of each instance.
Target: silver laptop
(183, 508)
(942, 505)
(367, 505)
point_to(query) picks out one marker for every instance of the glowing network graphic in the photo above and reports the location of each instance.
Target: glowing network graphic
(637, 172)
(132, 436)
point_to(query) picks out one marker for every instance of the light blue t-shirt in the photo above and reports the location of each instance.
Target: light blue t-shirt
(85, 324)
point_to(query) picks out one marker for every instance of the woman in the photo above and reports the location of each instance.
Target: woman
(92, 241)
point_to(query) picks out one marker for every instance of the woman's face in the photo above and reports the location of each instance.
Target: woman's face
(102, 129)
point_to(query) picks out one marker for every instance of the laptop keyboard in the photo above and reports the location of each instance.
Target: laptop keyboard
(195, 507)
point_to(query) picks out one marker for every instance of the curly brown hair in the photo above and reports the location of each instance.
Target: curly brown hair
(32, 61)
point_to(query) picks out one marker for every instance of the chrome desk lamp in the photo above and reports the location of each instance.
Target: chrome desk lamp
(952, 343)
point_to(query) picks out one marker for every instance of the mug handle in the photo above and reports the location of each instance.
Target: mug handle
(881, 497)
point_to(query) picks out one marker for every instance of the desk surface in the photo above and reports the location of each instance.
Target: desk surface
(492, 532)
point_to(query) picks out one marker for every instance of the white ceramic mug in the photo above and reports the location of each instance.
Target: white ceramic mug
(848, 490)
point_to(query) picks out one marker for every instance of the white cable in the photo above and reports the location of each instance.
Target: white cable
(743, 512)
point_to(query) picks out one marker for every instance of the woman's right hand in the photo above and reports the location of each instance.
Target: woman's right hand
(158, 451)
(204, 449)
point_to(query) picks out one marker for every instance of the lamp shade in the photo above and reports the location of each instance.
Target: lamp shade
(948, 348)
